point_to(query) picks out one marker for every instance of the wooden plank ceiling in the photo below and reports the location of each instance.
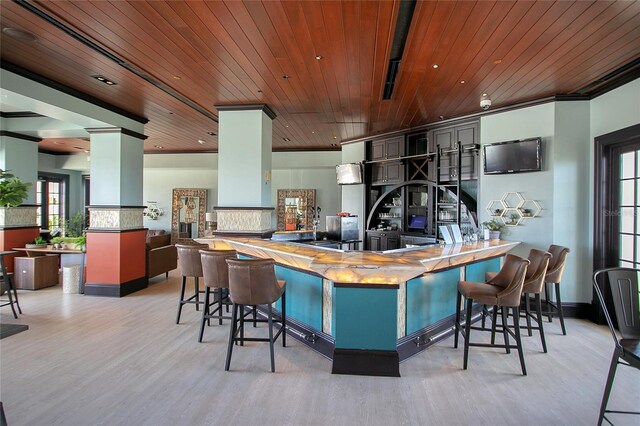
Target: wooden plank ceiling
(236, 52)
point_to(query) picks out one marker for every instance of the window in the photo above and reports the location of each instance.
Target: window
(52, 197)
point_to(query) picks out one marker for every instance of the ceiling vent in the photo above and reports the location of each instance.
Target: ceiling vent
(405, 15)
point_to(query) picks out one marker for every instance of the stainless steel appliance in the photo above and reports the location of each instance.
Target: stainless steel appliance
(341, 228)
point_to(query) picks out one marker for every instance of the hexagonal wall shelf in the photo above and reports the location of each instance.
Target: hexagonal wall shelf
(513, 208)
(496, 208)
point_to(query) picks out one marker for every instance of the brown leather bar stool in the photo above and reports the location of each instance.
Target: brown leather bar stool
(553, 277)
(216, 277)
(502, 291)
(533, 283)
(190, 266)
(253, 282)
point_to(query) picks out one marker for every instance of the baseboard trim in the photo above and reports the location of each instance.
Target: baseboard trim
(366, 362)
(116, 290)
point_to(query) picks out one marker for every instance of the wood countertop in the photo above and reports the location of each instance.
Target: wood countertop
(364, 267)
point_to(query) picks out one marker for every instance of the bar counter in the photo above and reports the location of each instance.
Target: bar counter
(368, 311)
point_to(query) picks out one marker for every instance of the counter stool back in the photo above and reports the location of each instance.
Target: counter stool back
(502, 291)
(253, 282)
(553, 278)
(623, 284)
(215, 272)
(190, 266)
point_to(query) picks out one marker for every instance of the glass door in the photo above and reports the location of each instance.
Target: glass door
(628, 202)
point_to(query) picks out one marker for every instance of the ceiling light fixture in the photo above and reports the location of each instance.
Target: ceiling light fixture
(462, 81)
(286, 139)
(104, 79)
(177, 77)
(286, 77)
(86, 150)
(211, 133)
(201, 142)
(318, 57)
(159, 147)
(484, 94)
(435, 65)
(21, 35)
(497, 61)
(335, 137)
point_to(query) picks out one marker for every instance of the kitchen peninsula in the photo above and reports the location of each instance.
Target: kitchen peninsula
(367, 311)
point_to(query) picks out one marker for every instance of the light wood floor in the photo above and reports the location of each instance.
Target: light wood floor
(90, 360)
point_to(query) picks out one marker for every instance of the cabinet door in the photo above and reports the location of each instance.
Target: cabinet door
(395, 147)
(444, 138)
(373, 242)
(467, 134)
(391, 243)
(378, 174)
(378, 151)
(394, 172)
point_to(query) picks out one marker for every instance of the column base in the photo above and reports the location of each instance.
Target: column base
(116, 290)
(366, 362)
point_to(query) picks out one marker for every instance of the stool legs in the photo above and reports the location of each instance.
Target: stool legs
(457, 324)
(540, 322)
(527, 311)
(505, 329)
(284, 319)
(516, 322)
(559, 308)
(184, 282)
(197, 290)
(547, 298)
(232, 335)
(205, 313)
(269, 315)
(467, 332)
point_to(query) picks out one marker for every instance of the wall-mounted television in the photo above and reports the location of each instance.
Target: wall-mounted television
(349, 174)
(513, 157)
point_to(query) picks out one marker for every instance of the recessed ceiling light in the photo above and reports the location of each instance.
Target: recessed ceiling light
(104, 79)
(177, 77)
(286, 139)
(286, 125)
(259, 91)
(335, 137)
(21, 35)
(435, 65)
(159, 147)
(285, 77)
(211, 133)
(462, 82)
(318, 57)
(484, 94)
(497, 61)
(312, 131)
(334, 144)
(201, 142)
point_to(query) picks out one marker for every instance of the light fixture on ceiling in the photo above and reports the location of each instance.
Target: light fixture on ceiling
(318, 57)
(497, 61)
(86, 151)
(435, 65)
(286, 77)
(313, 132)
(286, 139)
(201, 142)
(462, 82)
(104, 79)
(485, 102)
(259, 91)
(287, 126)
(158, 146)
(22, 35)
(211, 133)
(177, 77)
(335, 137)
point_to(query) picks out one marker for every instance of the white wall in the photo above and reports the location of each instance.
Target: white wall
(521, 124)
(353, 195)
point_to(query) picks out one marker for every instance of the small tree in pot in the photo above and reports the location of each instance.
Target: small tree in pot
(12, 190)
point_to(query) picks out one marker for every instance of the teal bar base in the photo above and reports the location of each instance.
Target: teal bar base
(366, 362)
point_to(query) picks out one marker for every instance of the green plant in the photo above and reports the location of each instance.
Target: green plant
(80, 242)
(12, 190)
(74, 225)
(493, 225)
(39, 241)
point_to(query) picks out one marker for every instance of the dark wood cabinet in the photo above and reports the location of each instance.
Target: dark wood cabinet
(446, 139)
(383, 240)
(387, 173)
(33, 273)
(386, 149)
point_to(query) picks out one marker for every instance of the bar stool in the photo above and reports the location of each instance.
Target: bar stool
(253, 282)
(216, 277)
(190, 266)
(6, 281)
(553, 277)
(533, 283)
(502, 291)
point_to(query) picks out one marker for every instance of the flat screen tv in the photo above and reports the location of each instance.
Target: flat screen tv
(513, 157)
(349, 174)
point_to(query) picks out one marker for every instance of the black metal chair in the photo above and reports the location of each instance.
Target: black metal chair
(6, 282)
(623, 283)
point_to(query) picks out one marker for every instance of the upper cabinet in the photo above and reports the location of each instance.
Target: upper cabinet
(445, 139)
(387, 149)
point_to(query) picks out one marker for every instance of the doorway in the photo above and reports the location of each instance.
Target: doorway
(617, 204)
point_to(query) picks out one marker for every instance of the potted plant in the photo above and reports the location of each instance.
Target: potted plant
(80, 242)
(494, 228)
(12, 193)
(38, 242)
